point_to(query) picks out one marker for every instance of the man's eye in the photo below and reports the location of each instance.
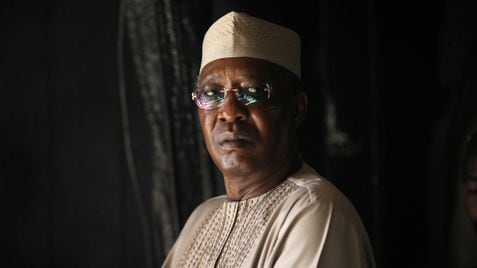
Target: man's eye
(210, 93)
(255, 89)
(252, 89)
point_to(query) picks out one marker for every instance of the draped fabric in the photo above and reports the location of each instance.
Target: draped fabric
(165, 37)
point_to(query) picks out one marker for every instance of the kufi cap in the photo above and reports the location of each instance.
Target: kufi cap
(241, 35)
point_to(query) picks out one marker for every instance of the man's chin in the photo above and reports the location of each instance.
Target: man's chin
(235, 165)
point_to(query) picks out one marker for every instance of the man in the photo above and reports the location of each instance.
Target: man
(277, 212)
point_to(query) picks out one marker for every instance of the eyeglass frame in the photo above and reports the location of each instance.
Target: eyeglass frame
(195, 97)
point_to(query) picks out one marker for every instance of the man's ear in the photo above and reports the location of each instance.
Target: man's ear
(300, 107)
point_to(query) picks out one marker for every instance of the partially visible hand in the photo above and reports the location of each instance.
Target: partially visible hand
(471, 201)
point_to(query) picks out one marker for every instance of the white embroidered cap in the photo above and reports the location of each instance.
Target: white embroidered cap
(241, 35)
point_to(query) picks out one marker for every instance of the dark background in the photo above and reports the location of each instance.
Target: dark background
(384, 79)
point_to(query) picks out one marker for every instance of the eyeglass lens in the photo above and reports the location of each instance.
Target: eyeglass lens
(211, 98)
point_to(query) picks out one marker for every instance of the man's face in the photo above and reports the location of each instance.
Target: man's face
(245, 139)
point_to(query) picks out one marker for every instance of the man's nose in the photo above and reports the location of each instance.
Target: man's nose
(232, 111)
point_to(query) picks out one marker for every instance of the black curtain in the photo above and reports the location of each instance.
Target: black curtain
(165, 39)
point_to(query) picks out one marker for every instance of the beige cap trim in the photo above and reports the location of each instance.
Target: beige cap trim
(241, 35)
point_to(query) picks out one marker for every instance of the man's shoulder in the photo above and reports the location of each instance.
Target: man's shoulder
(316, 195)
(318, 215)
(313, 187)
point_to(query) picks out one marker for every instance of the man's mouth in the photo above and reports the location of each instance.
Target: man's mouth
(230, 140)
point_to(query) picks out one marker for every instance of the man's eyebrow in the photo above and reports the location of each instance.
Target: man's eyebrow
(217, 77)
(250, 78)
(209, 78)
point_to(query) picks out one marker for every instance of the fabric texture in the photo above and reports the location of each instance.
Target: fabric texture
(241, 35)
(169, 167)
(303, 222)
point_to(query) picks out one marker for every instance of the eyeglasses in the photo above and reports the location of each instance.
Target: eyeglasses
(209, 98)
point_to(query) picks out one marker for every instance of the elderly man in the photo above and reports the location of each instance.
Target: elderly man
(277, 211)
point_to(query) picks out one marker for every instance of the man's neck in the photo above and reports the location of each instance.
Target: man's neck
(259, 182)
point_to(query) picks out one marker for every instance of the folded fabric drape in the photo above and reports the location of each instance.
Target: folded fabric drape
(164, 38)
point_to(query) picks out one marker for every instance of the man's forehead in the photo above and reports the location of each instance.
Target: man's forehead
(238, 68)
(218, 75)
